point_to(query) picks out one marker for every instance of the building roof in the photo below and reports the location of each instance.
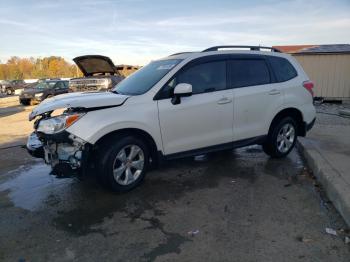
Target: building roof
(312, 49)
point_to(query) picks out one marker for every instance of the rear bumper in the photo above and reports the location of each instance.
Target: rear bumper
(310, 125)
(306, 127)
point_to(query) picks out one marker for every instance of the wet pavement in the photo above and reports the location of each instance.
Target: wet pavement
(233, 206)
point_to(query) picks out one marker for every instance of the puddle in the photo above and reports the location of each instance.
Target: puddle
(30, 187)
(70, 201)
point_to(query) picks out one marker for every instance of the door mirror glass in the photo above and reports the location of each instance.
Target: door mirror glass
(182, 89)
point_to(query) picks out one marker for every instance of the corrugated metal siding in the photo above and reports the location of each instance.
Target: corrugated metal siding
(330, 73)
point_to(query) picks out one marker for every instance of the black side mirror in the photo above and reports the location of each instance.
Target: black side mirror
(176, 99)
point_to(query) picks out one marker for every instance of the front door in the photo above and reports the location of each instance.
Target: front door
(203, 119)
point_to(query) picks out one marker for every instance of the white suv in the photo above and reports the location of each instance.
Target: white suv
(183, 105)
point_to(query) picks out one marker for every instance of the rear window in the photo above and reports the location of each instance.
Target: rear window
(249, 72)
(283, 69)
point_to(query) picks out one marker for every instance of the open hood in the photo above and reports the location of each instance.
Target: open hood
(95, 64)
(87, 100)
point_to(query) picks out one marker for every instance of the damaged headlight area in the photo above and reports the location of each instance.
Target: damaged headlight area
(58, 123)
(67, 151)
(61, 151)
(58, 147)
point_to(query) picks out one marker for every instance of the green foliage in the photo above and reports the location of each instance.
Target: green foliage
(28, 68)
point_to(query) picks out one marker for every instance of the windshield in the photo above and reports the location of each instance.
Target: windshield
(44, 85)
(142, 80)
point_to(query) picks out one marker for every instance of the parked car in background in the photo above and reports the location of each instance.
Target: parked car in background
(9, 87)
(100, 74)
(183, 105)
(41, 80)
(42, 90)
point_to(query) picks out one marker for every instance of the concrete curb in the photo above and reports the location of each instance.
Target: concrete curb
(337, 189)
(344, 112)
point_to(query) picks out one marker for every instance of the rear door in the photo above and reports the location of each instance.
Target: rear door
(256, 96)
(203, 119)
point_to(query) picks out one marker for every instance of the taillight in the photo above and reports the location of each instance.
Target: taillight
(309, 85)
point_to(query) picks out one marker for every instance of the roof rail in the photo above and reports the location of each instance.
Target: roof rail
(180, 53)
(251, 47)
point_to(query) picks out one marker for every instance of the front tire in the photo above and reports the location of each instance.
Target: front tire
(281, 138)
(123, 162)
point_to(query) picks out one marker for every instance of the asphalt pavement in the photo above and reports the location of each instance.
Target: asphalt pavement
(234, 206)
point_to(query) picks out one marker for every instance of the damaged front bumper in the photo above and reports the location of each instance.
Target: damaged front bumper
(62, 151)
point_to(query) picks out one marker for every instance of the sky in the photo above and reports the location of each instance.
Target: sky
(138, 31)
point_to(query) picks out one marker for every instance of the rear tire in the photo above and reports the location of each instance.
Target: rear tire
(123, 162)
(281, 138)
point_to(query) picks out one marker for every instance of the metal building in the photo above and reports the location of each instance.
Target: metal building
(328, 66)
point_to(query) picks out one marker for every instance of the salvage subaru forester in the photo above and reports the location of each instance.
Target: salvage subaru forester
(182, 105)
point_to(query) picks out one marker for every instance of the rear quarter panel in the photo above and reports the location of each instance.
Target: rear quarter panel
(296, 96)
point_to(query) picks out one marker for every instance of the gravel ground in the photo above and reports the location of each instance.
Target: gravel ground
(14, 122)
(327, 114)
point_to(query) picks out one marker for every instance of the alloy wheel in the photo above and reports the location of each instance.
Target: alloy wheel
(285, 137)
(128, 164)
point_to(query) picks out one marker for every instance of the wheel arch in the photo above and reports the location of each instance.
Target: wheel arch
(293, 112)
(136, 132)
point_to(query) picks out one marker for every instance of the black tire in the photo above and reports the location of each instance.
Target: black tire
(107, 161)
(26, 102)
(9, 92)
(274, 148)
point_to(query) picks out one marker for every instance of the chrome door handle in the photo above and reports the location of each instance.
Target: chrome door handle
(274, 92)
(224, 100)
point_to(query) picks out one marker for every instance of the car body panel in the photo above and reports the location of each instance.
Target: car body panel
(135, 113)
(78, 100)
(95, 64)
(197, 122)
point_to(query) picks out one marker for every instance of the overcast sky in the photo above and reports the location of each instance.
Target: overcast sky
(137, 31)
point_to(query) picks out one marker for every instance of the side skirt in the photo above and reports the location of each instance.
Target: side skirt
(195, 152)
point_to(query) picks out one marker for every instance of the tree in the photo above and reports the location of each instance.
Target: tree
(47, 67)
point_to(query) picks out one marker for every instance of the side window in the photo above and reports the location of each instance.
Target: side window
(59, 85)
(206, 77)
(283, 69)
(248, 72)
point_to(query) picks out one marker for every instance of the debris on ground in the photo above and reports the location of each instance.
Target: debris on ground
(193, 232)
(347, 240)
(305, 172)
(331, 231)
(305, 239)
